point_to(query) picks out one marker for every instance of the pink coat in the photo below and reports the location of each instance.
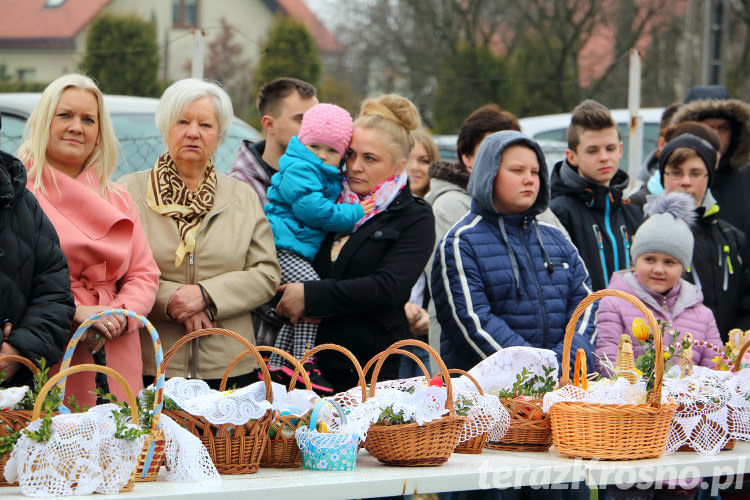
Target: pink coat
(682, 308)
(110, 265)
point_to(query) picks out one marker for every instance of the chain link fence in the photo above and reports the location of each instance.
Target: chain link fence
(141, 152)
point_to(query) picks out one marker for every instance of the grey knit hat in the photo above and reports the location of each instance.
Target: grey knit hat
(667, 229)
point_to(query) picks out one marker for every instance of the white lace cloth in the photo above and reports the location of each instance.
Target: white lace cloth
(423, 403)
(702, 421)
(498, 371)
(186, 459)
(11, 396)
(739, 405)
(236, 407)
(81, 457)
(605, 391)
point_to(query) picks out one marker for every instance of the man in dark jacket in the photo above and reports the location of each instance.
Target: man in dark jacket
(587, 193)
(499, 277)
(36, 304)
(730, 119)
(281, 104)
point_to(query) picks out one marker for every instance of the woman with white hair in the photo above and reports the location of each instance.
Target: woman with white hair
(70, 152)
(209, 235)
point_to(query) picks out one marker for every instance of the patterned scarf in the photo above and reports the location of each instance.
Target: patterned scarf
(167, 195)
(383, 194)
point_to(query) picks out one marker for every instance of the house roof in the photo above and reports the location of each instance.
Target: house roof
(297, 9)
(31, 21)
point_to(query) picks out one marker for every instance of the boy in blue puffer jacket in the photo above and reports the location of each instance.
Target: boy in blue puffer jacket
(302, 208)
(501, 278)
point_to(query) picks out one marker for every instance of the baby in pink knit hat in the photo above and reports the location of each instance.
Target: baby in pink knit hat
(302, 208)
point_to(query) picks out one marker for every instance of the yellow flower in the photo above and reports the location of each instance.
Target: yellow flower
(640, 329)
(666, 356)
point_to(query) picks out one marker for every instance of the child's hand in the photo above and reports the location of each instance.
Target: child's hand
(368, 205)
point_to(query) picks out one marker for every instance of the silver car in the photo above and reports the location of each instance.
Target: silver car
(133, 120)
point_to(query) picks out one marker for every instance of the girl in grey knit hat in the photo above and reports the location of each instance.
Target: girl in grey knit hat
(662, 249)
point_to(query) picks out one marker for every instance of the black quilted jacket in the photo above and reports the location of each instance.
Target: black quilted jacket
(35, 291)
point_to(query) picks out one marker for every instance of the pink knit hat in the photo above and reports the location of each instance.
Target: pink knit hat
(327, 124)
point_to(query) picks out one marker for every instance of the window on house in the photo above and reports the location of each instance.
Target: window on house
(184, 13)
(26, 74)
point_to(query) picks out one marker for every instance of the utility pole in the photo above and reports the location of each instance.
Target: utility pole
(717, 26)
(199, 48)
(635, 143)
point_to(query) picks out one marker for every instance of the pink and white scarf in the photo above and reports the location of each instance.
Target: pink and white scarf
(383, 194)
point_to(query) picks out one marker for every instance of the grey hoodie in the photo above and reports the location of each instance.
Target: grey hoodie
(486, 165)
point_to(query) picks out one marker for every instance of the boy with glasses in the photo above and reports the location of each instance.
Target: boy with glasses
(688, 164)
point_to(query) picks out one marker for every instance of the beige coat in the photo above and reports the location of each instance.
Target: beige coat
(234, 260)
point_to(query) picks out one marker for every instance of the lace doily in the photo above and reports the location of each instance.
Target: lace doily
(605, 391)
(81, 457)
(701, 420)
(11, 396)
(739, 405)
(237, 406)
(486, 414)
(186, 458)
(498, 371)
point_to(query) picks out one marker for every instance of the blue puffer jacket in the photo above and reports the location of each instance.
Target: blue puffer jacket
(504, 280)
(302, 204)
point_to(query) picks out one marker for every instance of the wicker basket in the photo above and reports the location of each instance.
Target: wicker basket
(612, 432)
(233, 449)
(62, 374)
(415, 445)
(474, 445)
(331, 347)
(730, 442)
(152, 454)
(281, 451)
(12, 421)
(529, 429)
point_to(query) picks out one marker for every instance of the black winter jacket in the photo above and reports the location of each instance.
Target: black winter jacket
(35, 291)
(600, 222)
(721, 261)
(361, 295)
(731, 183)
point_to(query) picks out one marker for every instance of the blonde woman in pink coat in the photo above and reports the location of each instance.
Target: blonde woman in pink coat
(70, 152)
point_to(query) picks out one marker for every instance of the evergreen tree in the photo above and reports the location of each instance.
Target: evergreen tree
(289, 51)
(122, 56)
(470, 78)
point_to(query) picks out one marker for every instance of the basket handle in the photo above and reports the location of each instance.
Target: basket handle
(466, 374)
(86, 367)
(409, 354)
(332, 347)
(316, 410)
(740, 355)
(418, 343)
(580, 373)
(158, 353)
(226, 333)
(570, 328)
(276, 350)
(24, 361)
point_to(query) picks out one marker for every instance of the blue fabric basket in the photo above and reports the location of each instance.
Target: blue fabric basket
(327, 450)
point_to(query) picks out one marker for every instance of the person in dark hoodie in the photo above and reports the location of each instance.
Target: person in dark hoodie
(730, 118)
(719, 267)
(499, 277)
(587, 193)
(36, 303)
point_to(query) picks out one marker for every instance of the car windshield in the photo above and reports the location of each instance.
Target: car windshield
(142, 144)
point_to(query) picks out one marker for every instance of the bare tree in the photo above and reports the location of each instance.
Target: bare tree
(226, 63)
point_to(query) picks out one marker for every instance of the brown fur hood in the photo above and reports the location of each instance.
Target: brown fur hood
(449, 171)
(734, 110)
